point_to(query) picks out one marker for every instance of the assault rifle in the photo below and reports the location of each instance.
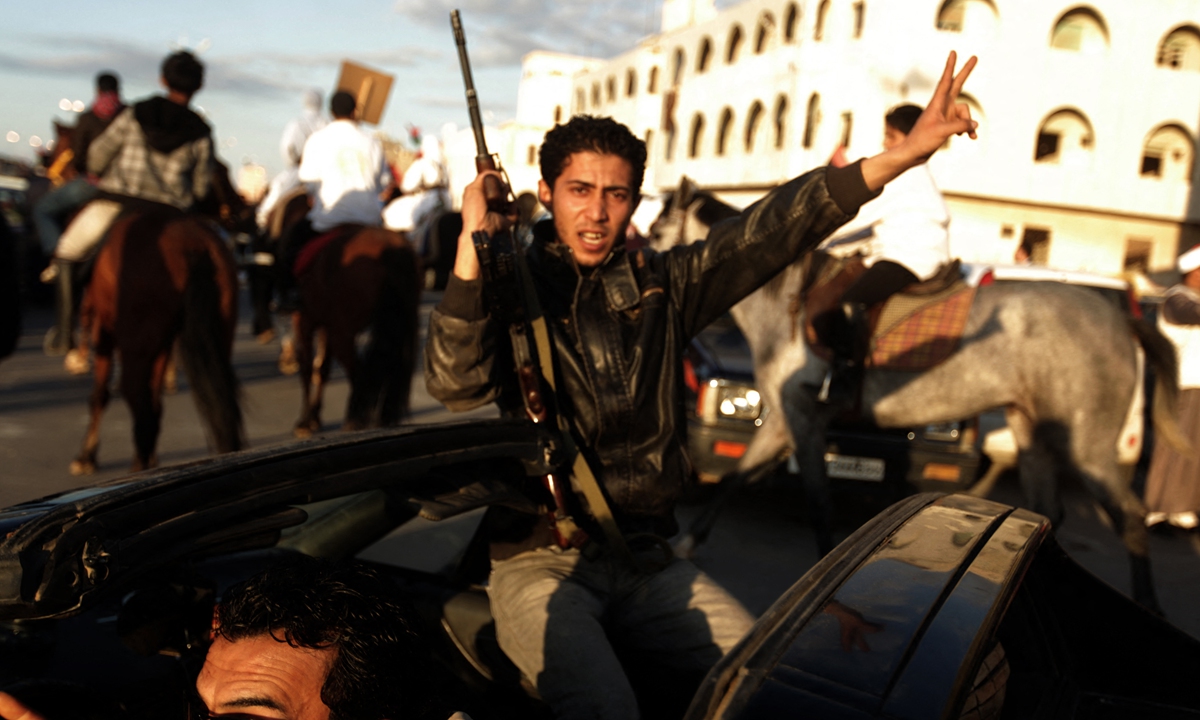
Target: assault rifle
(513, 302)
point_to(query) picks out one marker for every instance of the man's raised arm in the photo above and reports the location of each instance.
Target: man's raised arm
(944, 116)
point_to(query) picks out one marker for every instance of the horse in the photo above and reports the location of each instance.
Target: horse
(163, 276)
(1062, 365)
(358, 278)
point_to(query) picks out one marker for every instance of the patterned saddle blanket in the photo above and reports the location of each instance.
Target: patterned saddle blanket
(915, 329)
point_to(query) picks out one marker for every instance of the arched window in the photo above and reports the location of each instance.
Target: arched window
(580, 100)
(696, 139)
(703, 54)
(781, 112)
(557, 114)
(819, 26)
(860, 17)
(1180, 49)
(1168, 154)
(630, 82)
(753, 118)
(811, 119)
(847, 129)
(531, 155)
(677, 66)
(1081, 30)
(735, 44)
(764, 33)
(611, 86)
(790, 18)
(1065, 138)
(652, 83)
(974, 17)
(723, 130)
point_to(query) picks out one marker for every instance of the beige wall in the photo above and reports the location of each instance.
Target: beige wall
(1079, 240)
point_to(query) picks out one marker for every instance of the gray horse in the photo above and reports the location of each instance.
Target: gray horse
(1059, 361)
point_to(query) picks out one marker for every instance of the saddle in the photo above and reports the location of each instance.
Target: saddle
(915, 329)
(313, 248)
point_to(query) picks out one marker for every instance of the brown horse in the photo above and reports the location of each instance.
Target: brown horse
(363, 279)
(162, 276)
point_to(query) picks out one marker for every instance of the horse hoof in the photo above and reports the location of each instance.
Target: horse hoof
(82, 467)
(306, 429)
(77, 363)
(265, 337)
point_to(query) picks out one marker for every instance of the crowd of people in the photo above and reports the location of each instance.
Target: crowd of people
(320, 641)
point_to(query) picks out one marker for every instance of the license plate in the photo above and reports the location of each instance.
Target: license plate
(849, 467)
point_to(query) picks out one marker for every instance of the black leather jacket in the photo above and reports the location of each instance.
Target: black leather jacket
(619, 332)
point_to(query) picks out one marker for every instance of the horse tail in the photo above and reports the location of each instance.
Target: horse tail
(390, 358)
(205, 355)
(1160, 354)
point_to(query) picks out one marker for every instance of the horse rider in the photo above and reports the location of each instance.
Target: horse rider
(349, 176)
(425, 188)
(155, 155)
(75, 188)
(618, 323)
(291, 147)
(907, 240)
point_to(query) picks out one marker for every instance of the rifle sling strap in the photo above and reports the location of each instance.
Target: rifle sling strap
(581, 472)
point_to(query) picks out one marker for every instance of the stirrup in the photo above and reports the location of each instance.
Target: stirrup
(823, 393)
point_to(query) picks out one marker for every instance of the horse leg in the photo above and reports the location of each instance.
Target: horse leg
(137, 377)
(768, 446)
(1043, 453)
(85, 463)
(1096, 462)
(340, 346)
(302, 336)
(807, 421)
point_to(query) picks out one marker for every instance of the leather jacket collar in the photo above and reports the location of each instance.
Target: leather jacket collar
(555, 261)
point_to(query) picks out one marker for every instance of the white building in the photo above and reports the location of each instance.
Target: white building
(1088, 113)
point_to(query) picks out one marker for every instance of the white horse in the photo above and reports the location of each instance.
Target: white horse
(1061, 362)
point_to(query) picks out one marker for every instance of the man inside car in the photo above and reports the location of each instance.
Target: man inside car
(618, 323)
(309, 640)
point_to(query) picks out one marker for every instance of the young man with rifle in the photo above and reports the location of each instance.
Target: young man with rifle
(617, 324)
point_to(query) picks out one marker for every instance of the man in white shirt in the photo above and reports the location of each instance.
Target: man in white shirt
(907, 235)
(348, 176)
(291, 148)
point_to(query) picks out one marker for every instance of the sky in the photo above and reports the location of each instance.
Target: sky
(261, 55)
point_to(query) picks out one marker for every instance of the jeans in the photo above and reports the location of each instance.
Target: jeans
(52, 210)
(558, 614)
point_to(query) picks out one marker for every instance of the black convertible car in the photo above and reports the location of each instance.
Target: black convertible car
(942, 606)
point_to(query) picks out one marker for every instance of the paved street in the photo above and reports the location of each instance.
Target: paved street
(758, 549)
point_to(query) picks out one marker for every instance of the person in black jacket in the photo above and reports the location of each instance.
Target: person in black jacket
(52, 211)
(618, 324)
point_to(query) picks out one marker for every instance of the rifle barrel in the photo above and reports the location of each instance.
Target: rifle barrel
(483, 159)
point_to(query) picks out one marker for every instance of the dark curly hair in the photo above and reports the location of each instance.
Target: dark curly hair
(311, 603)
(585, 133)
(183, 72)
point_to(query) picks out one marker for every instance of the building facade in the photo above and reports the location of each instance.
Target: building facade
(1088, 112)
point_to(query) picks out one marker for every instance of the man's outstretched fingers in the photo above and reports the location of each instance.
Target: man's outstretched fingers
(961, 78)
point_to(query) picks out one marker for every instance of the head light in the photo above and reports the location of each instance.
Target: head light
(721, 399)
